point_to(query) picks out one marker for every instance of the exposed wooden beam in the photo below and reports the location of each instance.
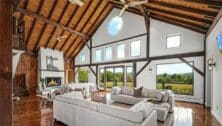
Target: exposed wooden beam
(76, 25)
(96, 26)
(44, 26)
(38, 17)
(124, 39)
(144, 66)
(67, 24)
(180, 13)
(59, 21)
(134, 74)
(216, 20)
(193, 67)
(85, 41)
(91, 69)
(183, 55)
(6, 31)
(187, 6)
(29, 34)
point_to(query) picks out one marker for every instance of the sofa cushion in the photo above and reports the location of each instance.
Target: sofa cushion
(122, 113)
(127, 99)
(127, 91)
(166, 96)
(138, 92)
(116, 90)
(145, 107)
(88, 104)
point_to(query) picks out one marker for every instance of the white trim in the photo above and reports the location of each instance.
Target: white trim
(216, 116)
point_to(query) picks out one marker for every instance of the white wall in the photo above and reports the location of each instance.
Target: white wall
(134, 25)
(191, 41)
(216, 74)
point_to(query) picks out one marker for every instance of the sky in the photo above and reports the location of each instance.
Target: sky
(173, 68)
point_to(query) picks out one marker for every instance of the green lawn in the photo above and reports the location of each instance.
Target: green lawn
(186, 89)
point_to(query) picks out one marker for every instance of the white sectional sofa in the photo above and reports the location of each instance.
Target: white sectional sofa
(87, 86)
(166, 98)
(73, 110)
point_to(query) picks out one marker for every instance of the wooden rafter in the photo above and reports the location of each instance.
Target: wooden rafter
(67, 24)
(75, 26)
(34, 21)
(36, 16)
(84, 27)
(44, 26)
(59, 21)
(92, 30)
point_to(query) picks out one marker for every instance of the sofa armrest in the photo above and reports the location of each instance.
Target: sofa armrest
(116, 90)
(171, 102)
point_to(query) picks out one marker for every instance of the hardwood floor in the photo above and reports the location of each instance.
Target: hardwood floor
(33, 111)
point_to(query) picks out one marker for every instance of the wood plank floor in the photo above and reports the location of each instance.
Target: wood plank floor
(31, 111)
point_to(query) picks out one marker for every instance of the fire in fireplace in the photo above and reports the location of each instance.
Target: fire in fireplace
(53, 81)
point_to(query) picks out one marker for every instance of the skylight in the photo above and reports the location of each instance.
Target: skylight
(115, 25)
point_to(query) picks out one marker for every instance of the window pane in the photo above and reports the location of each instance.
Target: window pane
(83, 76)
(98, 55)
(118, 78)
(173, 41)
(101, 77)
(120, 51)
(83, 58)
(109, 77)
(178, 77)
(129, 76)
(135, 48)
(108, 53)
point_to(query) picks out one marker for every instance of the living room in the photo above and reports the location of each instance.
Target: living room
(111, 62)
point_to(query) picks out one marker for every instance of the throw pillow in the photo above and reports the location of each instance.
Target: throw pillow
(124, 90)
(166, 96)
(138, 92)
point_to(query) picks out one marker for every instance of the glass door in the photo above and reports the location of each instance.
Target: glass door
(118, 76)
(109, 74)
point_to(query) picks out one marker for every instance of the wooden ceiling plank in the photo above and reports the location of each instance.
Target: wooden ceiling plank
(188, 6)
(41, 18)
(93, 29)
(178, 23)
(76, 25)
(180, 13)
(67, 24)
(34, 22)
(59, 21)
(82, 29)
(44, 26)
(97, 18)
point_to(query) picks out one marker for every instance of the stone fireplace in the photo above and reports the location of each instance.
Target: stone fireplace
(53, 81)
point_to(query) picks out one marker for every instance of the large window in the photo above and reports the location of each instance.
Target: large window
(98, 55)
(135, 48)
(108, 53)
(120, 51)
(173, 41)
(129, 76)
(83, 76)
(177, 76)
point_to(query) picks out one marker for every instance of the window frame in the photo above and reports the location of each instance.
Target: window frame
(131, 48)
(174, 35)
(106, 53)
(101, 57)
(192, 76)
(124, 50)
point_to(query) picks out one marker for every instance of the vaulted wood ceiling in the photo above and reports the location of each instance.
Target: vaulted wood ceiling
(45, 20)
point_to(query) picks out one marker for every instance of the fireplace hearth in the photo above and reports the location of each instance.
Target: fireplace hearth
(53, 81)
